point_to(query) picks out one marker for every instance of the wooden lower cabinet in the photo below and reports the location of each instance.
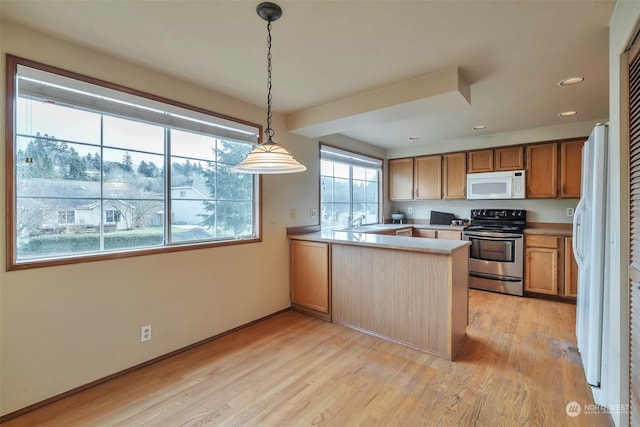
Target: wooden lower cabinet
(570, 269)
(437, 234)
(421, 232)
(310, 273)
(449, 235)
(542, 271)
(550, 268)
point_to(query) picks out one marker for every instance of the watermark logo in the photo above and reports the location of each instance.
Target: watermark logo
(573, 409)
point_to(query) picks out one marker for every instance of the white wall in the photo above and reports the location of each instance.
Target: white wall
(543, 210)
(62, 327)
(623, 22)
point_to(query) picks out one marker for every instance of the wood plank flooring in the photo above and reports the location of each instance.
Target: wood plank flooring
(519, 367)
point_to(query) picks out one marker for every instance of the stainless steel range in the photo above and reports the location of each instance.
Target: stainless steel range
(496, 254)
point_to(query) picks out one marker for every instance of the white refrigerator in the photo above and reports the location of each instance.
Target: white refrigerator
(589, 250)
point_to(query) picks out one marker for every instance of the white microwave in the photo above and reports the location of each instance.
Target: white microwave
(496, 185)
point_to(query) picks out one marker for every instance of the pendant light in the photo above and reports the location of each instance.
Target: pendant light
(269, 157)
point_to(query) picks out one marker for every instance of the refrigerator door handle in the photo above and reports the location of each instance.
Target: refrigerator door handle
(577, 233)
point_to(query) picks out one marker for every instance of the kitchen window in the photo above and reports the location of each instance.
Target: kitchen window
(96, 170)
(350, 190)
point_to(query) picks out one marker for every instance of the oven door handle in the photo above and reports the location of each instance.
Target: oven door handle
(492, 236)
(495, 277)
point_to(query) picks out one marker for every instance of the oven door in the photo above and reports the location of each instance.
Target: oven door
(499, 254)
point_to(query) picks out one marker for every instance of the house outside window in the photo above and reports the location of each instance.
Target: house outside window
(112, 215)
(350, 188)
(66, 217)
(84, 151)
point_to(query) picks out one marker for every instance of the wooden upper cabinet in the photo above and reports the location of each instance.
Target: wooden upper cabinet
(428, 177)
(542, 171)
(509, 159)
(570, 168)
(480, 161)
(401, 179)
(455, 176)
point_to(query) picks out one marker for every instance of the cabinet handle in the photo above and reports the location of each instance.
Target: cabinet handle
(417, 192)
(564, 188)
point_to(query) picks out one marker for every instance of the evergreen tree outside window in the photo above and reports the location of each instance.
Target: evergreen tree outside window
(350, 189)
(97, 171)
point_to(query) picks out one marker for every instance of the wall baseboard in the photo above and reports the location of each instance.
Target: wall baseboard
(103, 380)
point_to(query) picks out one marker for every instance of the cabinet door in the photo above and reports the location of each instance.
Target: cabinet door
(570, 270)
(428, 177)
(401, 179)
(310, 275)
(541, 271)
(455, 176)
(480, 161)
(509, 159)
(570, 169)
(449, 235)
(542, 171)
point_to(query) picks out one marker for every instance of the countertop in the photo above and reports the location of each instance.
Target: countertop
(364, 238)
(550, 229)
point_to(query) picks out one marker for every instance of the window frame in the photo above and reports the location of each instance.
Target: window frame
(356, 154)
(12, 63)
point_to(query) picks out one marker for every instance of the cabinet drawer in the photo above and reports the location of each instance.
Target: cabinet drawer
(541, 241)
(431, 234)
(449, 235)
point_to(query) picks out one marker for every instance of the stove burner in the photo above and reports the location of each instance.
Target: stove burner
(498, 220)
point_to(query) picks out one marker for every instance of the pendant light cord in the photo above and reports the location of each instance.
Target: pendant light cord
(269, 131)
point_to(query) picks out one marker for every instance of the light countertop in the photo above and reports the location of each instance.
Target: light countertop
(550, 229)
(362, 238)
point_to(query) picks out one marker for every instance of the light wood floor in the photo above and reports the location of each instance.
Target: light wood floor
(519, 367)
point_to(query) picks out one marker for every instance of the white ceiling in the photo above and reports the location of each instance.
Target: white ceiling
(510, 54)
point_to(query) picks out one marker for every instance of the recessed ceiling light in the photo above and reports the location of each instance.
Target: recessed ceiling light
(479, 127)
(567, 113)
(414, 138)
(571, 81)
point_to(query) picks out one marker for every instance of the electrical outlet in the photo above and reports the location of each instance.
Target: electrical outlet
(409, 210)
(313, 213)
(569, 211)
(145, 333)
(292, 213)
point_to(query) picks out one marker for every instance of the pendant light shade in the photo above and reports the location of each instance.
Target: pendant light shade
(269, 157)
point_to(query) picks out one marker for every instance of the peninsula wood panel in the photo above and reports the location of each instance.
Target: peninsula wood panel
(428, 177)
(310, 275)
(409, 297)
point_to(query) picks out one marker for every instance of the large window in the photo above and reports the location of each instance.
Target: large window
(350, 190)
(96, 171)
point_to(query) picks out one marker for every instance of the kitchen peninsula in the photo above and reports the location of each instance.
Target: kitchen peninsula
(409, 290)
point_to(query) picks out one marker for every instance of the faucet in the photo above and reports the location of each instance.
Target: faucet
(357, 222)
